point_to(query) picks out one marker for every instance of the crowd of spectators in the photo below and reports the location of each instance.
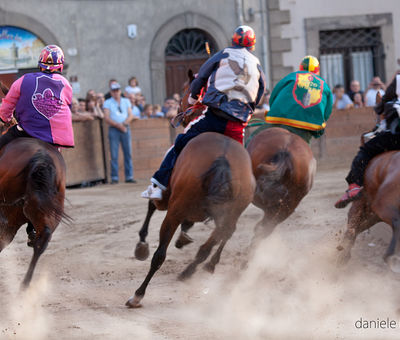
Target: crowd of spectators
(92, 106)
(355, 97)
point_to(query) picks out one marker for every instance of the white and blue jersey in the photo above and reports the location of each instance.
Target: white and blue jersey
(236, 82)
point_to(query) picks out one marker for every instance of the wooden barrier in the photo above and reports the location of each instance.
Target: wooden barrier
(341, 140)
(90, 159)
(85, 162)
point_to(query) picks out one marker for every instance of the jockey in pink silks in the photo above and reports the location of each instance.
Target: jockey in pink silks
(41, 101)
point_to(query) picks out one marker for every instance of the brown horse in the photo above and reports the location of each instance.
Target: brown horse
(32, 188)
(219, 184)
(184, 117)
(380, 201)
(284, 168)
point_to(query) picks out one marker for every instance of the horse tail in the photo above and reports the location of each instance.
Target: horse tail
(271, 183)
(217, 182)
(42, 185)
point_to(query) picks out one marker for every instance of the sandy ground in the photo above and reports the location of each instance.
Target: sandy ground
(291, 288)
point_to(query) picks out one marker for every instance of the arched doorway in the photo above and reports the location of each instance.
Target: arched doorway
(19, 51)
(185, 50)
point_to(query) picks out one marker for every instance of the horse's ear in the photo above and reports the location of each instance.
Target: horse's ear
(378, 99)
(190, 75)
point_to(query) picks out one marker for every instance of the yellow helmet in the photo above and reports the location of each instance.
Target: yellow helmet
(310, 64)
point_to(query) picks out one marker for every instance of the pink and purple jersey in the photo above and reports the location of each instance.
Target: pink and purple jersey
(42, 105)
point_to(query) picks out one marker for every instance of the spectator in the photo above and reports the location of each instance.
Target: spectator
(82, 105)
(140, 101)
(135, 109)
(341, 101)
(177, 97)
(133, 87)
(170, 107)
(91, 105)
(376, 85)
(76, 115)
(110, 82)
(100, 99)
(147, 111)
(118, 114)
(355, 88)
(358, 100)
(157, 113)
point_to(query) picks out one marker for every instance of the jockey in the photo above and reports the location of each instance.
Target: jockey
(301, 102)
(386, 140)
(236, 85)
(41, 101)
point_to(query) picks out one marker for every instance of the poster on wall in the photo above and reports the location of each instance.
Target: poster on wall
(18, 48)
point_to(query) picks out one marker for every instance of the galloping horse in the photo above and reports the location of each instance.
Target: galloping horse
(284, 168)
(212, 178)
(379, 202)
(32, 190)
(142, 247)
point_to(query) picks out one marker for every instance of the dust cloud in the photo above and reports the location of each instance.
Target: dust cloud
(290, 288)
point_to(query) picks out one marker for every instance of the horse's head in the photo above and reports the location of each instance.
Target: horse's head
(184, 105)
(186, 111)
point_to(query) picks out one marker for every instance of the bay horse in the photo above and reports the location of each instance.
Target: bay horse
(32, 189)
(379, 202)
(184, 118)
(213, 179)
(284, 168)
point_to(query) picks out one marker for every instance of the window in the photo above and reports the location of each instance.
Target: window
(189, 44)
(351, 54)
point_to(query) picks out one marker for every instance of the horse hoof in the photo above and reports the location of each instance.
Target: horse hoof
(209, 267)
(394, 263)
(134, 302)
(183, 240)
(142, 251)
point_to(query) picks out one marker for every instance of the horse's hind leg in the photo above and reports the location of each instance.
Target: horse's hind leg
(184, 237)
(202, 254)
(142, 247)
(39, 247)
(168, 228)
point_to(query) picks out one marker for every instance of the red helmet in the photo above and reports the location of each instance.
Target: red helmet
(244, 36)
(52, 58)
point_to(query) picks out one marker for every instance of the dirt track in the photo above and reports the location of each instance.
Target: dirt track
(290, 290)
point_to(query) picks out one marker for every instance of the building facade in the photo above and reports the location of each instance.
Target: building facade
(158, 40)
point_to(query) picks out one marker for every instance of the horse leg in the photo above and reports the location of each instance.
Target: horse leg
(30, 230)
(360, 218)
(142, 247)
(227, 233)
(202, 254)
(184, 237)
(392, 256)
(168, 228)
(210, 265)
(39, 247)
